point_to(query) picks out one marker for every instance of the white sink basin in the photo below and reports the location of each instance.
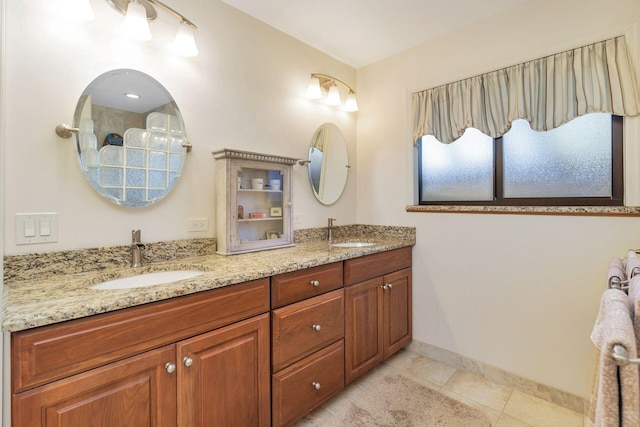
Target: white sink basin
(353, 244)
(148, 279)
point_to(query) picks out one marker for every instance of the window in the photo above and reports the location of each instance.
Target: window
(578, 163)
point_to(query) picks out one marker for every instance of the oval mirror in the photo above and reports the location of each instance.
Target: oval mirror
(328, 163)
(131, 143)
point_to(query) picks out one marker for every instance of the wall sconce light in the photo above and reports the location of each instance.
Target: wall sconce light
(320, 82)
(138, 13)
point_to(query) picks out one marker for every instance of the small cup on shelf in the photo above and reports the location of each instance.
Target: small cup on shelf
(257, 184)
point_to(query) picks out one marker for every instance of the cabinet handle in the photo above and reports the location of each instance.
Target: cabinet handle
(316, 327)
(315, 385)
(384, 287)
(187, 361)
(390, 285)
(170, 367)
(315, 283)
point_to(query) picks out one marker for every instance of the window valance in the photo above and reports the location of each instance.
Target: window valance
(547, 92)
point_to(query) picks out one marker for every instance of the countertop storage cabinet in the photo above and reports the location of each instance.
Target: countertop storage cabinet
(253, 201)
(377, 309)
(199, 360)
(307, 340)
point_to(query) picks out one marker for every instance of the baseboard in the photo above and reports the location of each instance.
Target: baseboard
(499, 376)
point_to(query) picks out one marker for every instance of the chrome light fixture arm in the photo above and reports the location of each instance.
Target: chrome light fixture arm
(174, 13)
(327, 81)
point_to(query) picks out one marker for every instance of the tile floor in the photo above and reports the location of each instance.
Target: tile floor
(504, 406)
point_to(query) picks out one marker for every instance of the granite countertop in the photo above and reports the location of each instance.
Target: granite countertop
(42, 300)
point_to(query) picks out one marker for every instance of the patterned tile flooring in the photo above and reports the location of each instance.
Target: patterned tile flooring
(504, 406)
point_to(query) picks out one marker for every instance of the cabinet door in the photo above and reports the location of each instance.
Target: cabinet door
(363, 327)
(135, 392)
(223, 376)
(397, 311)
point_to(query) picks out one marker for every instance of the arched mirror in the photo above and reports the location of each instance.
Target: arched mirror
(328, 163)
(131, 141)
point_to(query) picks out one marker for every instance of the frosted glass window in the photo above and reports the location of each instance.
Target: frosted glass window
(462, 170)
(573, 160)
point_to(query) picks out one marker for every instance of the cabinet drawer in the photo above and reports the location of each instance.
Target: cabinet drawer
(298, 285)
(305, 385)
(48, 353)
(366, 267)
(300, 329)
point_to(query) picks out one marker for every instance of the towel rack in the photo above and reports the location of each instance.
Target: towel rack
(616, 283)
(620, 356)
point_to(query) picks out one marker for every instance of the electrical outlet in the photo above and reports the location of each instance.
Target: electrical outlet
(297, 219)
(198, 224)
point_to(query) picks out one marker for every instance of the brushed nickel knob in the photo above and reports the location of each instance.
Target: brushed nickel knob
(315, 385)
(315, 283)
(384, 287)
(316, 327)
(187, 361)
(170, 367)
(390, 285)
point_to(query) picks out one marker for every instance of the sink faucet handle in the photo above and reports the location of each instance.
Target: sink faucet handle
(330, 222)
(135, 236)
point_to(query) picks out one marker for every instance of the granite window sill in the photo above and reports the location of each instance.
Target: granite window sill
(530, 210)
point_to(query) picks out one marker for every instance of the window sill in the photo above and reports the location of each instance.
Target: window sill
(530, 210)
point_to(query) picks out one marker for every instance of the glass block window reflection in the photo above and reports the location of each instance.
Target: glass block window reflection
(552, 163)
(462, 170)
(148, 164)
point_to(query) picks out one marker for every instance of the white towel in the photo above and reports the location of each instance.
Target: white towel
(609, 407)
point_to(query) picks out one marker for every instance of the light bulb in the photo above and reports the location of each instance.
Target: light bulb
(313, 90)
(351, 104)
(185, 42)
(135, 25)
(334, 95)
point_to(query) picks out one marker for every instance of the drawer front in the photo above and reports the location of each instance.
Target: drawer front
(305, 385)
(298, 285)
(300, 329)
(48, 353)
(370, 266)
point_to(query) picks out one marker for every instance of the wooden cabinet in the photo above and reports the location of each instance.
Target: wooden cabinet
(134, 392)
(127, 368)
(377, 310)
(253, 201)
(305, 385)
(217, 358)
(307, 341)
(223, 376)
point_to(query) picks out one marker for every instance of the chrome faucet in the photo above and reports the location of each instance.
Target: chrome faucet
(330, 228)
(136, 249)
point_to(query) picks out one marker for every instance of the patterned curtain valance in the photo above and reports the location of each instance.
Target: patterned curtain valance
(547, 92)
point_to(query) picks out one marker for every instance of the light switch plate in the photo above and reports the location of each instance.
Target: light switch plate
(34, 228)
(198, 224)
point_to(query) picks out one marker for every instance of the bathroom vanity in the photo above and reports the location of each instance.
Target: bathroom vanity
(255, 352)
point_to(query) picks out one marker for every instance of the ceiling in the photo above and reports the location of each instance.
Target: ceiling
(361, 32)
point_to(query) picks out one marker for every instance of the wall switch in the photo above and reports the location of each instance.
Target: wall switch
(36, 228)
(198, 224)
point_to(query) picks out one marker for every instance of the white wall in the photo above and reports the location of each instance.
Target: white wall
(245, 90)
(519, 292)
